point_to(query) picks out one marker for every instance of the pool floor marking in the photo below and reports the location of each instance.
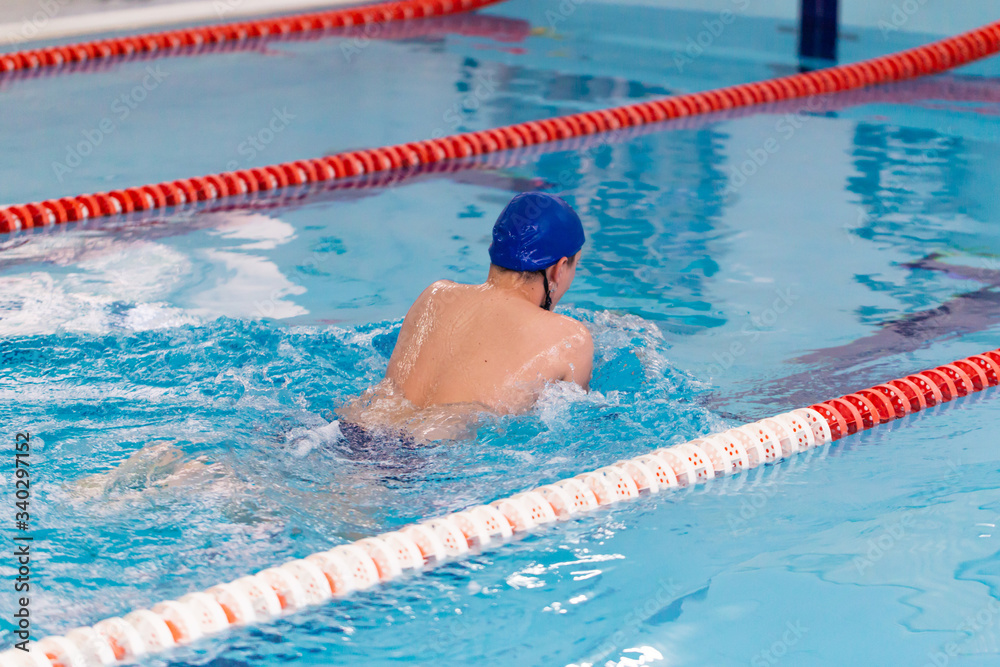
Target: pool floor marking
(920, 61)
(113, 47)
(144, 17)
(352, 567)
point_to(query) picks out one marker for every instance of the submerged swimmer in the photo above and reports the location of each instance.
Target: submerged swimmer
(468, 349)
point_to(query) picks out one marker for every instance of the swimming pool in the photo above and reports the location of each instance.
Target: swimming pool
(713, 299)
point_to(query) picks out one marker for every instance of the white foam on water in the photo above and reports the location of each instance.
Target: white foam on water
(120, 286)
(261, 232)
(92, 282)
(305, 439)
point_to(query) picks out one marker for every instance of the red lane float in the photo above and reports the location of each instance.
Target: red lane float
(905, 93)
(497, 28)
(115, 47)
(352, 567)
(928, 59)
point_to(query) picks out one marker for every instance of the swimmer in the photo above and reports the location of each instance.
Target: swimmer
(468, 349)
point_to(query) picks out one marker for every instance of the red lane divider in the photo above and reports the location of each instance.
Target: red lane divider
(897, 398)
(366, 15)
(938, 88)
(929, 59)
(497, 28)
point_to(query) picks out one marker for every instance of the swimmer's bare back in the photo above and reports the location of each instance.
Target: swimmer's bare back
(485, 344)
(466, 349)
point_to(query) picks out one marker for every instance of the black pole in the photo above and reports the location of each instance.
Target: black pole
(818, 29)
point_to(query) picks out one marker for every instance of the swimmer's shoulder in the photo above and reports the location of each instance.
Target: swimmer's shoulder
(437, 299)
(434, 292)
(572, 330)
(578, 337)
(574, 338)
(441, 285)
(579, 355)
(437, 287)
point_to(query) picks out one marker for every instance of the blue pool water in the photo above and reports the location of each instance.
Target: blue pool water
(213, 347)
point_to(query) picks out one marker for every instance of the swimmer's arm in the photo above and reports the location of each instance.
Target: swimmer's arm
(580, 356)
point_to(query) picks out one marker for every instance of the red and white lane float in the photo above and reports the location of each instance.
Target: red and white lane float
(928, 59)
(354, 567)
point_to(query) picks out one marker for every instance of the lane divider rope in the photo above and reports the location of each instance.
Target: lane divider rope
(496, 28)
(468, 24)
(920, 61)
(935, 89)
(353, 567)
(114, 47)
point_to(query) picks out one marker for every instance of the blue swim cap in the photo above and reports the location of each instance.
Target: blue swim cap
(534, 232)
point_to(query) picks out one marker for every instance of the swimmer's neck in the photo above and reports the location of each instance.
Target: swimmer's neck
(515, 285)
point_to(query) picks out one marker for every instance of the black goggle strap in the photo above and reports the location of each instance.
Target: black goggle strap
(547, 304)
